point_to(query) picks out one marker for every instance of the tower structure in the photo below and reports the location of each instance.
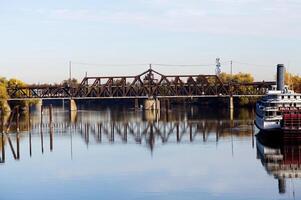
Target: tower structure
(218, 67)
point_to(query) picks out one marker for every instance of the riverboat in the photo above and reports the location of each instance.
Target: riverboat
(280, 108)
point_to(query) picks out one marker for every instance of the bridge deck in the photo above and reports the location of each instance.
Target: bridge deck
(148, 84)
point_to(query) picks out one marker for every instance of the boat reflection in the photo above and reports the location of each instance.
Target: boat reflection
(281, 156)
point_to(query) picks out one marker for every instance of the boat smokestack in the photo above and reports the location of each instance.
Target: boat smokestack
(281, 185)
(280, 77)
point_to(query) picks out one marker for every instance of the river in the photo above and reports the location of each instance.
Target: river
(189, 152)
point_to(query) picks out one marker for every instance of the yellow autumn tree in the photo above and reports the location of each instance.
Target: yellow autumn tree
(236, 78)
(3, 96)
(13, 83)
(3, 93)
(293, 81)
(240, 78)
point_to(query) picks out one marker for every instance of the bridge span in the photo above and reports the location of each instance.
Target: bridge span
(147, 85)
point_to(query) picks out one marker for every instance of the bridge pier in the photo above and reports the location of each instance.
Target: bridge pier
(136, 104)
(151, 116)
(231, 107)
(38, 105)
(165, 104)
(152, 104)
(72, 116)
(72, 105)
(231, 103)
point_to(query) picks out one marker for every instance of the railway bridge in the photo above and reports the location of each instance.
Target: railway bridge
(150, 85)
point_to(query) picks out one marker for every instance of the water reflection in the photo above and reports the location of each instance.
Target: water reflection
(186, 153)
(281, 157)
(146, 128)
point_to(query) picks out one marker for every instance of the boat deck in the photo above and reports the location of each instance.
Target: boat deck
(291, 119)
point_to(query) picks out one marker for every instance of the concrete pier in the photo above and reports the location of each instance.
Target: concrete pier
(231, 107)
(136, 104)
(72, 105)
(151, 116)
(73, 116)
(231, 103)
(152, 104)
(165, 104)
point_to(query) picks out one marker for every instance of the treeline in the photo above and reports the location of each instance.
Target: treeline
(13, 82)
(236, 78)
(293, 81)
(240, 78)
(4, 84)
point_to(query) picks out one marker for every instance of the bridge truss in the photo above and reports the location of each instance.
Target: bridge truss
(147, 84)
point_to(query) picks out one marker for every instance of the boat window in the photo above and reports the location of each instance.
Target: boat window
(282, 97)
(289, 97)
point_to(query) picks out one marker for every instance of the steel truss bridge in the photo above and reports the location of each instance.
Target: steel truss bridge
(147, 84)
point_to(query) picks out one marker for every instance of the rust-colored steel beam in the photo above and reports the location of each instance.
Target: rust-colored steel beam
(148, 83)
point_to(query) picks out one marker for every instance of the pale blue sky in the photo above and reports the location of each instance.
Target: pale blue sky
(38, 38)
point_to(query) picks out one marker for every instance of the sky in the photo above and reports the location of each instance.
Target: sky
(122, 37)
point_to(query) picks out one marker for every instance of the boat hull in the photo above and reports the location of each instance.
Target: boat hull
(267, 125)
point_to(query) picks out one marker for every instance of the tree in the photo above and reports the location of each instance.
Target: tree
(15, 83)
(236, 78)
(12, 83)
(3, 96)
(3, 92)
(293, 81)
(3, 80)
(67, 82)
(241, 78)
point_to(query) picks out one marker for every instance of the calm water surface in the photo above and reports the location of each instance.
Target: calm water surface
(186, 153)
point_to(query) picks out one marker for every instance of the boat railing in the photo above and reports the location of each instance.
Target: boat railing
(291, 118)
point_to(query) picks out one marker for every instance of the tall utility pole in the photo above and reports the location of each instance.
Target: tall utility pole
(70, 75)
(231, 69)
(230, 82)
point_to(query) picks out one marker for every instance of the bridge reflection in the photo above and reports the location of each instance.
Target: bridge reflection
(280, 156)
(135, 130)
(143, 131)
